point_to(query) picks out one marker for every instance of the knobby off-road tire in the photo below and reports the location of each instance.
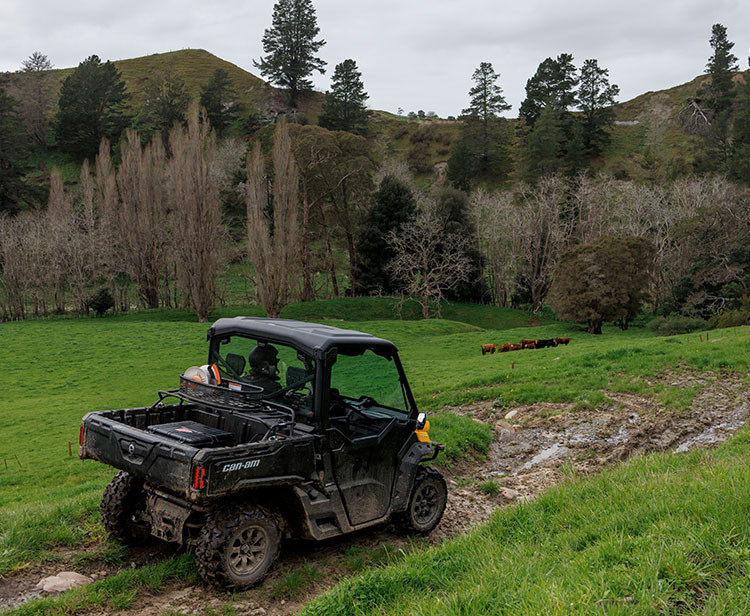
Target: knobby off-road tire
(426, 503)
(123, 510)
(237, 547)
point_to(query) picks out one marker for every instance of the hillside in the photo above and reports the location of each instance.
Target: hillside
(648, 138)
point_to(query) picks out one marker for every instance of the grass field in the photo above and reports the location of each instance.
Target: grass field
(57, 370)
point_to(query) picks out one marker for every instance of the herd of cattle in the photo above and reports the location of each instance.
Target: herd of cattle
(524, 344)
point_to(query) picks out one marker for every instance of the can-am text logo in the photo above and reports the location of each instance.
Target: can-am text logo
(236, 466)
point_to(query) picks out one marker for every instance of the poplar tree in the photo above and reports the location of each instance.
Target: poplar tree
(344, 106)
(290, 47)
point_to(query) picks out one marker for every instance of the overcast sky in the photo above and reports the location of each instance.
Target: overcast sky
(413, 54)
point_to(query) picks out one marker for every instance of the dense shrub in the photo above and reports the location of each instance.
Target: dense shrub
(732, 318)
(669, 326)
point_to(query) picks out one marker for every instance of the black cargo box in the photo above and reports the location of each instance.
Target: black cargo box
(194, 434)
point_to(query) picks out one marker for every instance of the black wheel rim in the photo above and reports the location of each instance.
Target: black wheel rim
(426, 504)
(247, 550)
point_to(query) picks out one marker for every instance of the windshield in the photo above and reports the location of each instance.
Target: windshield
(280, 371)
(369, 375)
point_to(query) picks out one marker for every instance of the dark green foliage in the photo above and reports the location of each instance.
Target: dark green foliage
(101, 301)
(482, 151)
(595, 99)
(674, 325)
(553, 84)
(216, 99)
(393, 206)
(739, 163)
(544, 149)
(603, 281)
(92, 106)
(462, 165)
(344, 107)
(14, 191)
(166, 103)
(290, 47)
(453, 206)
(721, 66)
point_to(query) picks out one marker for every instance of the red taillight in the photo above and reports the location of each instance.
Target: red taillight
(198, 478)
(80, 437)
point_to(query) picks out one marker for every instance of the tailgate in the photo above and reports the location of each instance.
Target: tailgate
(149, 456)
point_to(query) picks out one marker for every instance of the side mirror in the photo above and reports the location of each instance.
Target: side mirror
(421, 420)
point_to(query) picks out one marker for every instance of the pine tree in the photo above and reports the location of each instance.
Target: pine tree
(216, 99)
(344, 106)
(166, 104)
(92, 106)
(37, 95)
(290, 47)
(394, 205)
(721, 66)
(13, 153)
(544, 149)
(487, 101)
(553, 84)
(482, 150)
(739, 163)
(595, 99)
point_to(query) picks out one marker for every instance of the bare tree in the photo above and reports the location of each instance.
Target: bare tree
(493, 217)
(273, 246)
(428, 260)
(540, 231)
(196, 212)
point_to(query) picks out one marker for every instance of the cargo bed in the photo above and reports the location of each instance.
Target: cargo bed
(154, 444)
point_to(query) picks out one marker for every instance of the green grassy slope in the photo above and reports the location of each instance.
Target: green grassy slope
(664, 534)
(57, 370)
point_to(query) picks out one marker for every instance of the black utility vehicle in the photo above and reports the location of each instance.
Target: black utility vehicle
(290, 429)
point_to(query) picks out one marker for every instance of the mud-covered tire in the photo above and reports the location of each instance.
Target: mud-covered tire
(237, 547)
(123, 510)
(427, 501)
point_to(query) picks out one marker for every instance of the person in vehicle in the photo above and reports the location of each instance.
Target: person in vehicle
(264, 372)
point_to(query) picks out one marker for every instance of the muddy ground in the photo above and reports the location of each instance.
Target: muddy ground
(531, 445)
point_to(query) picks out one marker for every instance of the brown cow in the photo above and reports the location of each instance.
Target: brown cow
(525, 342)
(516, 346)
(505, 348)
(562, 340)
(488, 348)
(531, 344)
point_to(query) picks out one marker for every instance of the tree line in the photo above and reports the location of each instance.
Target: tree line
(165, 205)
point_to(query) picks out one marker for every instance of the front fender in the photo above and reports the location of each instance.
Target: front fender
(414, 453)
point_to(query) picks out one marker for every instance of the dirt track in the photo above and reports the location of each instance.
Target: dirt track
(531, 445)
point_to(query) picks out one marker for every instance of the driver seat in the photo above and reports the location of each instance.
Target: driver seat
(236, 363)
